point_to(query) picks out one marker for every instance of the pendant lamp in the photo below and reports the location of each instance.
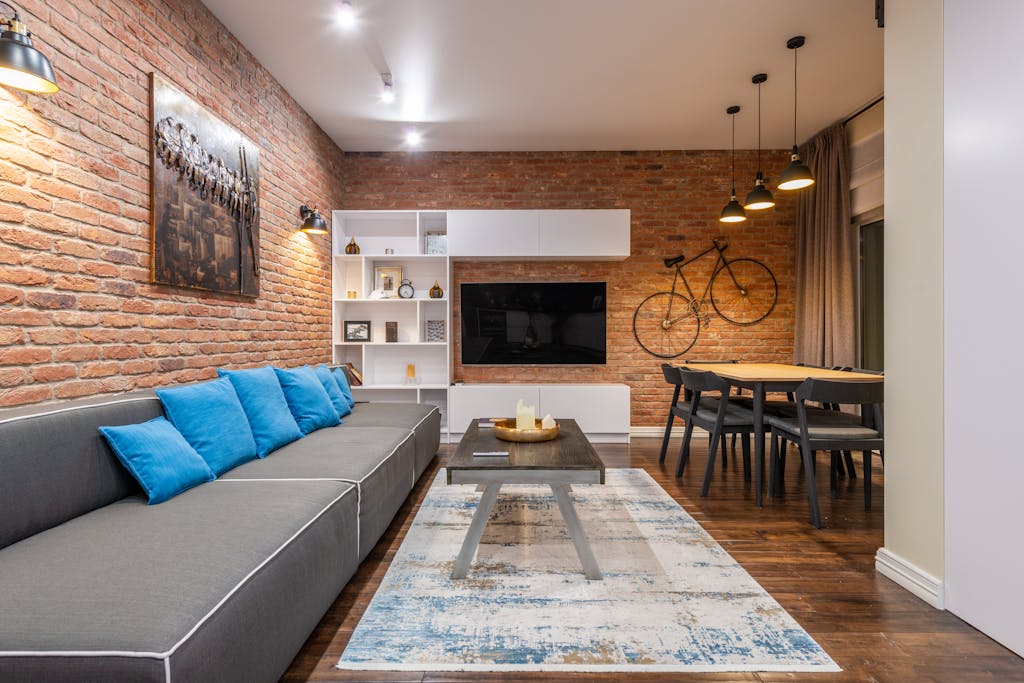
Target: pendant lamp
(796, 176)
(21, 65)
(760, 198)
(733, 212)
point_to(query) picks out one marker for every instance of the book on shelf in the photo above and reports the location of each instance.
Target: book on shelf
(354, 377)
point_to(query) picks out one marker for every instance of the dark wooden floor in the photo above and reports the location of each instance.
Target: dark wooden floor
(873, 629)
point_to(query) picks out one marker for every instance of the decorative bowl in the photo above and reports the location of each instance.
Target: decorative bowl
(506, 431)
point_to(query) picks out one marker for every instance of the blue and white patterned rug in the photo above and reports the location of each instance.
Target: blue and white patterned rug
(671, 600)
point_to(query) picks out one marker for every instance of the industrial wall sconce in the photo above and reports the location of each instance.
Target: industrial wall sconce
(21, 65)
(312, 222)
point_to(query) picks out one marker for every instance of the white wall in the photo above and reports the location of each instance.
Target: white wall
(984, 314)
(913, 552)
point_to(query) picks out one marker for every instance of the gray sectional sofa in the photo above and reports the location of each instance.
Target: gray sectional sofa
(223, 582)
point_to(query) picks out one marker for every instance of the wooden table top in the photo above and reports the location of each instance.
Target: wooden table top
(570, 451)
(780, 372)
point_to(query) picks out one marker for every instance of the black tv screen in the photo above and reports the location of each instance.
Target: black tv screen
(533, 323)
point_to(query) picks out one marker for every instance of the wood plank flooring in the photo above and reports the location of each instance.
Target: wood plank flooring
(872, 628)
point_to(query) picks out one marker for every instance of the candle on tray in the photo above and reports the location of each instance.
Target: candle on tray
(526, 416)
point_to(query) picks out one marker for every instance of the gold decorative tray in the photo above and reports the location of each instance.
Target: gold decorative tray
(506, 431)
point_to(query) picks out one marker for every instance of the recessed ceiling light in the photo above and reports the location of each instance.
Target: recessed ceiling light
(387, 93)
(346, 16)
(413, 138)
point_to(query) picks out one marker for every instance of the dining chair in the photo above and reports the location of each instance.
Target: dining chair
(725, 452)
(726, 418)
(820, 429)
(677, 408)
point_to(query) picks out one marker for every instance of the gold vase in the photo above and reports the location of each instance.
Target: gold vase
(436, 292)
(352, 247)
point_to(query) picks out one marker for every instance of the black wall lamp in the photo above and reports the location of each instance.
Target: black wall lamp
(312, 222)
(21, 65)
(760, 197)
(733, 212)
(796, 176)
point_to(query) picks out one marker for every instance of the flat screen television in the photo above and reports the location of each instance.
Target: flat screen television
(533, 323)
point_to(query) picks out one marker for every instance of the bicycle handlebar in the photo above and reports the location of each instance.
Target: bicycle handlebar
(669, 262)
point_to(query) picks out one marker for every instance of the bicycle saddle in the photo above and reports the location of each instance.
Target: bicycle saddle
(669, 262)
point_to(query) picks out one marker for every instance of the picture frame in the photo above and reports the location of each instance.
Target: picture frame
(435, 243)
(391, 332)
(387, 279)
(434, 331)
(357, 330)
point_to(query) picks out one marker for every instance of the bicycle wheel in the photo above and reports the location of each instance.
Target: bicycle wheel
(744, 291)
(661, 335)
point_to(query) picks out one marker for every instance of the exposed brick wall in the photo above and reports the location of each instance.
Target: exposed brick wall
(78, 315)
(675, 199)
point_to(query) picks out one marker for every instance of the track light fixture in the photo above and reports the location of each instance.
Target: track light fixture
(796, 176)
(733, 212)
(22, 66)
(760, 198)
(312, 222)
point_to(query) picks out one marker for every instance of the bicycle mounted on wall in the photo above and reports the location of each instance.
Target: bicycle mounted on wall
(742, 291)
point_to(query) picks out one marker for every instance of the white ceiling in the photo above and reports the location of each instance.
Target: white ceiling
(565, 74)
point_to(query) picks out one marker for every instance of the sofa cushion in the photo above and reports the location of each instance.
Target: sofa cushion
(56, 465)
(307, 399)
(422, 418)
(342, 379)
(379, 460)
(158, 457)
(211, 418)
(264, 404)
(338, 399)
(185, 589)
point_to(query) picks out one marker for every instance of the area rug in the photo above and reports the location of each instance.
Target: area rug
(671, 600)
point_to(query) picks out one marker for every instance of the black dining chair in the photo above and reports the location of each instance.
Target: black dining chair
(726, 418)
(820, 429)
(737, 396)
(678, 408)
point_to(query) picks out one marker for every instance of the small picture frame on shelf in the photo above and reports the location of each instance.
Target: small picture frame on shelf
(387, 279)
(435, 243)
(434, 331)
(391, 332)
(357, 330)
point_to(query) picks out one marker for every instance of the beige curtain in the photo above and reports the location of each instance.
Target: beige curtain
(826, 256)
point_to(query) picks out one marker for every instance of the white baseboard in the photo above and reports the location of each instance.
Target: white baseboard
(659, 432)
(913, 578)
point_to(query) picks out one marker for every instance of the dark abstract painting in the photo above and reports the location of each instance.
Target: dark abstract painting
(205, 182)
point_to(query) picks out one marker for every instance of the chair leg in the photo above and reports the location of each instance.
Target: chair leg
(812, 487)
(715, 436)
(745, 445)
(725, 456)
(684, 449)
(734, 442)
(840, 466)
(867, 480)
(668, 433)
(773, 459)
(833, 473)
(848, 457)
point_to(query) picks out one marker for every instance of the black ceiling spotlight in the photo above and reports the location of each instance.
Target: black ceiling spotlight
(796, 176)
(21, 65)
(312, 222)
(733, 212)
(760, 198)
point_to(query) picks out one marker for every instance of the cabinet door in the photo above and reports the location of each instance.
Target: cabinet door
(493, 233)
(585, 232)
(598, 409)
(472, 401)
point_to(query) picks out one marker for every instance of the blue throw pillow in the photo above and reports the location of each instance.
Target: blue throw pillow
(338, 399)
(307, 399)
(158, 456)
(263, 401)
(342, 379)
(211, 418)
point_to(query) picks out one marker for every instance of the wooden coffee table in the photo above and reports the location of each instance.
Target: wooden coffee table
(567, 460)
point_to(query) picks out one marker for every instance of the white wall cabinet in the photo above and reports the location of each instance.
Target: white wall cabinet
(582, 233)
(494, 233)
(596, 234)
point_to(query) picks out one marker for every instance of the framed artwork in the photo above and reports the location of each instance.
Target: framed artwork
(386, 279)
(435, 243)
(357, 330)
(391, 331)
(434, 331)
(204, 193)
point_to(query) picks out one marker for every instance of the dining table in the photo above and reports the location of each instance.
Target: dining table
(762, 378)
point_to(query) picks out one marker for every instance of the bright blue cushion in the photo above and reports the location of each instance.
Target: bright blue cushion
(211, 418)
(158, 456)
(342, 379)
(263, 401)
(338, 399)
(307, 399)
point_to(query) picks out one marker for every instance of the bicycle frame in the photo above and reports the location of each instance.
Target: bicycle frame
(717, 244)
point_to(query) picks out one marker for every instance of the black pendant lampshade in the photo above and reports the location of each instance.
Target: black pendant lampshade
(21, 65)
(312, 222)
(796, 176)
(733, 212)
(760, 198)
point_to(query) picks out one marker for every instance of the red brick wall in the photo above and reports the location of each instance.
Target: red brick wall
(675, 199)
(78, 315)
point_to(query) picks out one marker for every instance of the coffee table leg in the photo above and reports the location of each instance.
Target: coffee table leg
(576, 532)
(476, 531)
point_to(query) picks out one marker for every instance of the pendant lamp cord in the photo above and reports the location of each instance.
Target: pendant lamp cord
(733, 116)
(794, 96)
(758, 127)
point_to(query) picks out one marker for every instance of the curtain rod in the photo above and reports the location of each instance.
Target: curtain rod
(863, 109)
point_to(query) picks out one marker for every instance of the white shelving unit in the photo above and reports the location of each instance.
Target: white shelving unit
(384, 364)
